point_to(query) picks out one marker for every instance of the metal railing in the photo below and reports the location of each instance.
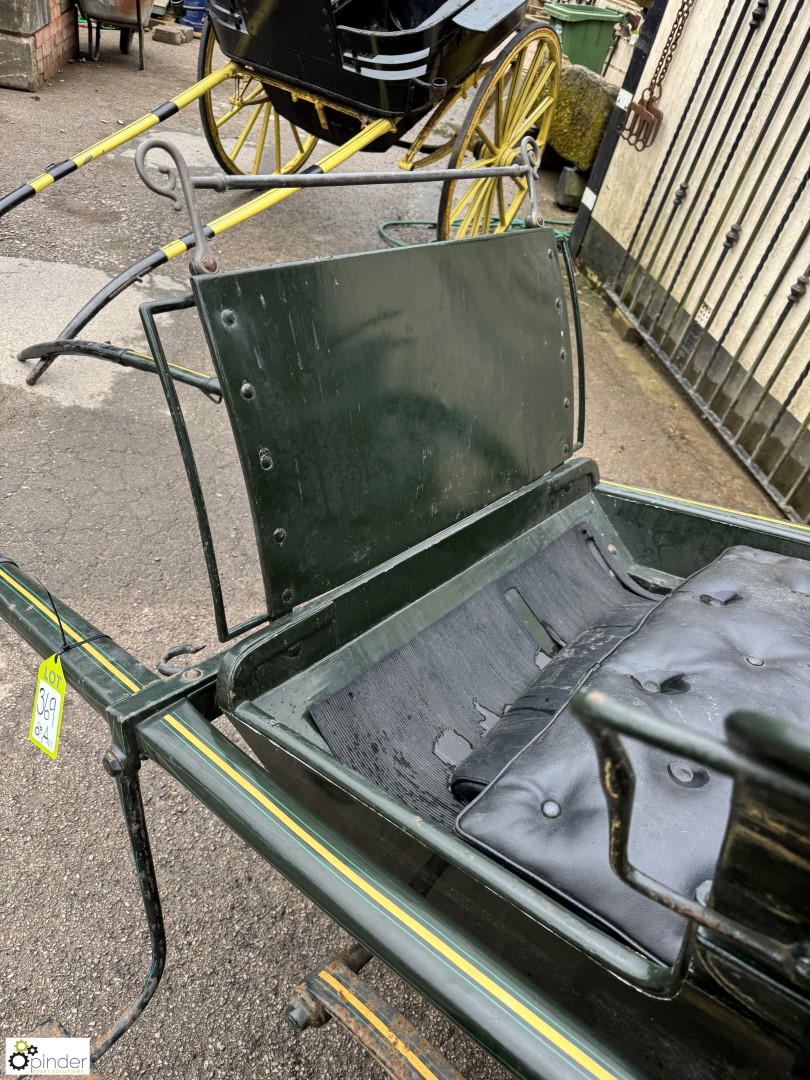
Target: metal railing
(715, 273)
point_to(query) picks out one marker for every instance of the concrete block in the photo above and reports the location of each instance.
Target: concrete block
(23, 16)
(583, 109)
(18, 65)
(570, 188)
(173, 34)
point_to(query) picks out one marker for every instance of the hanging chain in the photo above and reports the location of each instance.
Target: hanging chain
(653, 91)
(643, 117)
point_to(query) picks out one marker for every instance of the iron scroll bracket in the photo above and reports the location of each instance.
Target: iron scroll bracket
(203, 261)
(786, 751)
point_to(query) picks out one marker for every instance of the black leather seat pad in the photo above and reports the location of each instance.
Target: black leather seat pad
(735, 635)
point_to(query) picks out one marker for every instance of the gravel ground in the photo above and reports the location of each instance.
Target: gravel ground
(93, 500)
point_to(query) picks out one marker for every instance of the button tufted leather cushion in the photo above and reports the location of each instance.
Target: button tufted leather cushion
(735, 635)
(546, 694)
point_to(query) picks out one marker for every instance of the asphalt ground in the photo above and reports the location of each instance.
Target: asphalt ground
(93, 500)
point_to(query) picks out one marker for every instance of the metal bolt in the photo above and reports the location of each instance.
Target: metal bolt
(551, 809)
(563, 354)
(287, 596)
(566, 403)
(209, 264)
(191, 674)
(304, 1012)
(566, 448)
(754, 661)
(247, 390)
(687, 775)
(112, 764)
(651, 687)
(294, 649)
(680, 772)
(280, 535)
(558, 304)
(265, 459)
(228, 317)
(550, 253)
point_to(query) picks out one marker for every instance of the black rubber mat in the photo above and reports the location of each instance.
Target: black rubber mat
(410, 720)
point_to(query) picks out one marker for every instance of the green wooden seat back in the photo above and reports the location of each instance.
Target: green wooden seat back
(377, 399)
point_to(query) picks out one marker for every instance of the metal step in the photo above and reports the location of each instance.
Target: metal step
(333, 989)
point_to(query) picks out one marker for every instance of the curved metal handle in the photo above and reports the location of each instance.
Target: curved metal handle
(531, 156)
(203, 261)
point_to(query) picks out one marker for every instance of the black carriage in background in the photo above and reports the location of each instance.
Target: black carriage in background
(391, 58)
(318, 70)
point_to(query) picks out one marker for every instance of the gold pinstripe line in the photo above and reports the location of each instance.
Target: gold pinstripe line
(178, 367)
(706, 506)
(71, 632)
(407, 920)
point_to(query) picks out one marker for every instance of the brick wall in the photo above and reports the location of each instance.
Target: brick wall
(36, 37)
(57, 40)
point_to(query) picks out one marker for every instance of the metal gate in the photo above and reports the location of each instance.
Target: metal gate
(702, 237)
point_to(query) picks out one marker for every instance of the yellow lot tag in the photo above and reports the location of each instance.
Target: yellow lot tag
(46, 718)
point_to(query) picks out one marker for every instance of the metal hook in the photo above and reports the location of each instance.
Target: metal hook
(167, 669)
(203, 261)
(531, 156)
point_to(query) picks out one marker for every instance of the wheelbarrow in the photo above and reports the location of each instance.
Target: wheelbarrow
(127, 16)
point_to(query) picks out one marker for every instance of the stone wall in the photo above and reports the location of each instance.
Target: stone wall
(36, 37)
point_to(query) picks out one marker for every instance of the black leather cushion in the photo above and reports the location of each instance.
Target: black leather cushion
(546, 694)
(735, 635)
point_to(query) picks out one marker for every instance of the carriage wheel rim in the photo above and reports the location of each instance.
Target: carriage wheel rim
(249, 110)
(517, 96)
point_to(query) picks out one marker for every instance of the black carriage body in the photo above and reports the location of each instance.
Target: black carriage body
(378, 57)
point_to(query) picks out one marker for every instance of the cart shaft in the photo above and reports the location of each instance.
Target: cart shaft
(532, 1036)
(126, 134)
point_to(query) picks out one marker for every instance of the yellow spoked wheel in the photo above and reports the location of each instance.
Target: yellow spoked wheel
(243, 128)
(516, 98)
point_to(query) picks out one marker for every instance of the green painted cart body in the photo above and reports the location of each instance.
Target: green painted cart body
(408, 424)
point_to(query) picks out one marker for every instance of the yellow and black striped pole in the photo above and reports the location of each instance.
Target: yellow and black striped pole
(131, 131)
(172, 250)
(369, 134)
